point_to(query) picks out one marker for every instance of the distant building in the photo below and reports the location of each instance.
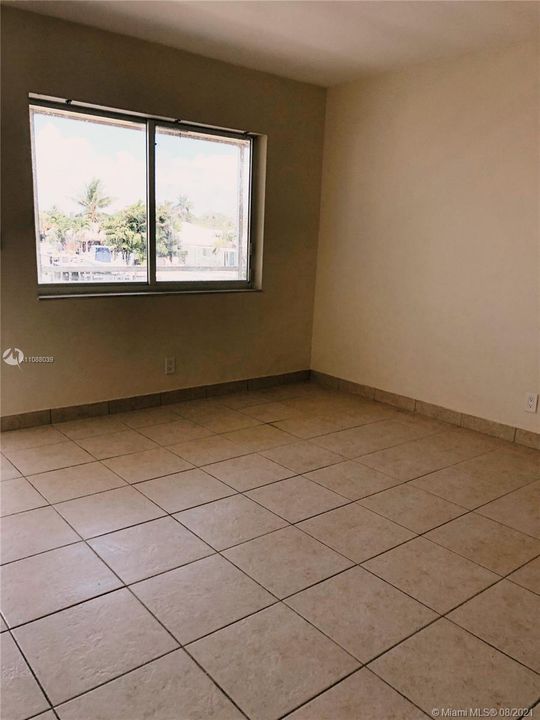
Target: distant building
(203, 247)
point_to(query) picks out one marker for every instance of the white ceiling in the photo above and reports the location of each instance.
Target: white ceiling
(321, 42)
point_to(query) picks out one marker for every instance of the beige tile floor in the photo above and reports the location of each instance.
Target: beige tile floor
(294, 552)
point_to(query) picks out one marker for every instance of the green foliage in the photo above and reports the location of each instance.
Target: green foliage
(225, 229)
(168, 226)
(126, 232)
(125, 229)
(58, 227)
(183, 206)
(93, 200)
(215, 221)
(225, 238)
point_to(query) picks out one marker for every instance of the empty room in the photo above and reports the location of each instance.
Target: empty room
(270, 431)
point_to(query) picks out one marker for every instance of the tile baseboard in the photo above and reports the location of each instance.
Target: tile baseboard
(140, 402)
(519, 436)
(528, 438)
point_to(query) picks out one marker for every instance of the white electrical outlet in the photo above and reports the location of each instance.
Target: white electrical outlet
(170, 365)
(532, 402)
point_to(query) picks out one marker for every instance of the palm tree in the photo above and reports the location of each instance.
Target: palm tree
(93, 200)
(184, 207)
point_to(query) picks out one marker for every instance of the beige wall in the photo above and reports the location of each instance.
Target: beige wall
(428, 268)
(114, 347)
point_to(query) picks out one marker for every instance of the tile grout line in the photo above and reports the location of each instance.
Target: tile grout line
(297, 439)
(184, 647)
(380, 677)
(390, 418)
(305, 619)
(467, 511)
(421, 535)
(313, 381)
(278, 600)
(238, 492)
(186, 419)
(116, 677)
(29, 665)
(438, 615)
(45, 695)
(282, 601)
(469, 632)
(344, 459)
(331, 639)
(445, 617)
(452, 609)
(321, 692)
(122, 586)
(243, 542)
(128, 483)
(138, 600)
(366, 669)
(214, 681)
(292, 524)
(169, 449)
(487, 642)
(361, 564)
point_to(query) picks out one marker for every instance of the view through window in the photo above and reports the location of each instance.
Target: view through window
(91, 176)
(202, 197)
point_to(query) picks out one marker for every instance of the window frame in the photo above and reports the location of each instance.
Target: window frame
(151, 286)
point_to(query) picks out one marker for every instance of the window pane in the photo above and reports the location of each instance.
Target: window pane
(202, 206)
(90, 194)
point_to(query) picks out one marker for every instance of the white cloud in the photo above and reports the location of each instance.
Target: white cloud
(209, 181)
(66, 164)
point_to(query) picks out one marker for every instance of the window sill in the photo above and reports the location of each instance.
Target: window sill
(143, 293)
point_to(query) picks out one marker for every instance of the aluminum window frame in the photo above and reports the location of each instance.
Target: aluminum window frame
(151, 286)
